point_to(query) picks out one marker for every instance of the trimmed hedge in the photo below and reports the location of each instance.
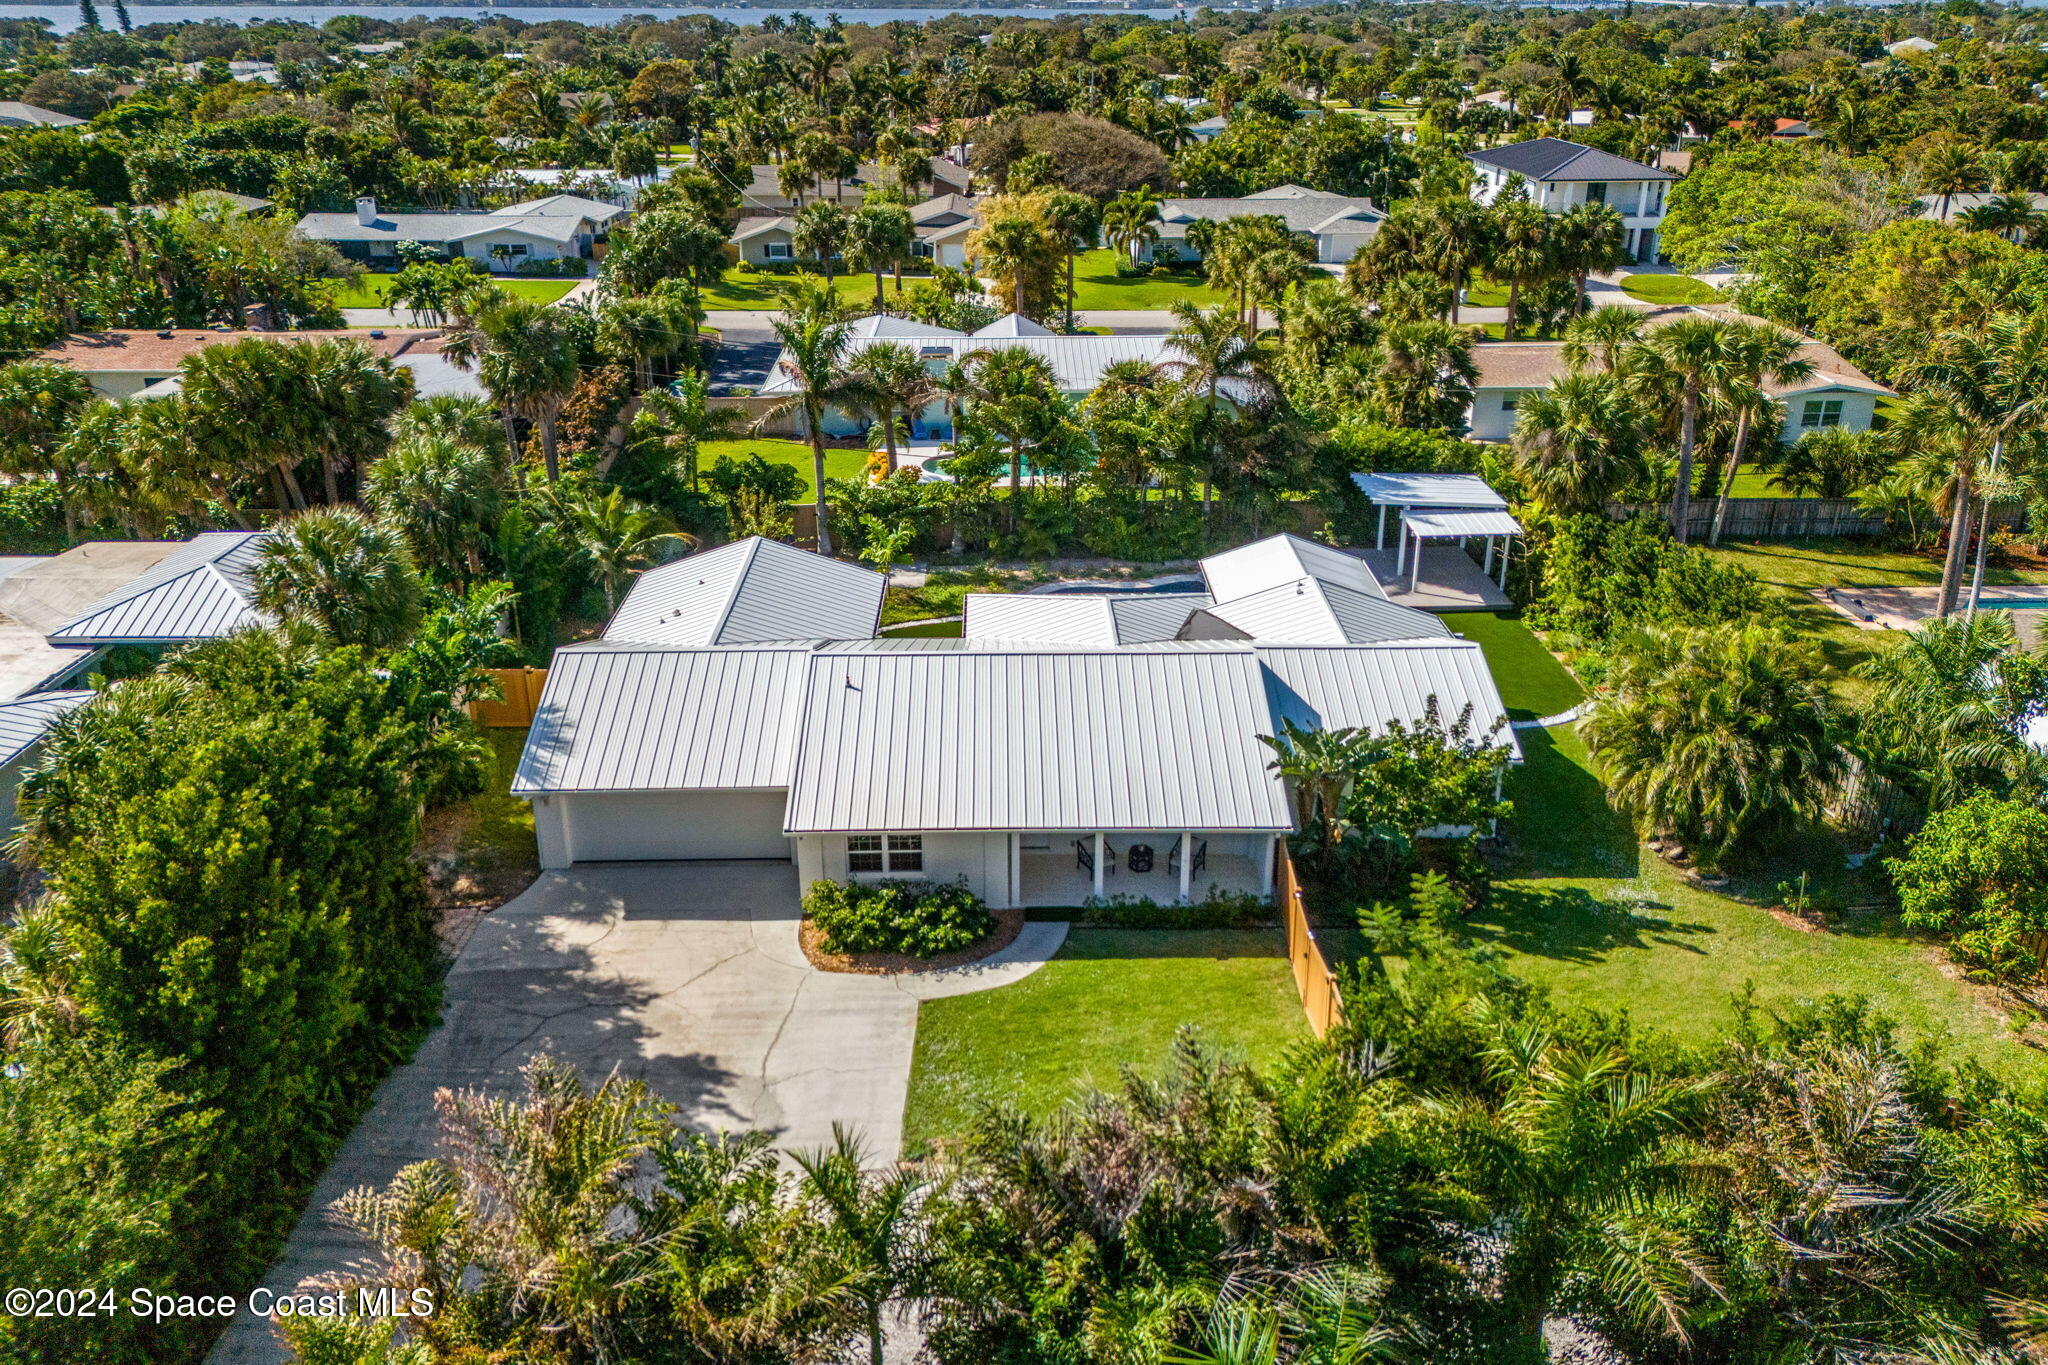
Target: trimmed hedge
(1217, 910)
(921, 919)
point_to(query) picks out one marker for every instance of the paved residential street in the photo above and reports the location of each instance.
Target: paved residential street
(684, 975)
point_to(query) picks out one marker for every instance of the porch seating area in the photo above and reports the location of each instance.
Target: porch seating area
(1058, 870)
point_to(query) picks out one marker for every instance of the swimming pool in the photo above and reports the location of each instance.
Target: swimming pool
(1167, 585)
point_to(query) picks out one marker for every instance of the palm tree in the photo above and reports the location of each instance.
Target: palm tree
(40, 402)
(1762, 355)
(1422, 374)
(819, 234)
(1131, 221)
(1586, 239)
(1580, 442)
(1524, 253)
(814, 358)
(1716, 734)
(619, 536)
(869, 1218)
(890, 380)
(678, 420)
(353, 394)
(1952, 700)
(1600, 339)
(1216, 353)
(1329, 1316)
(444, 497)
(1950, 169)
(1078, 219)
(1012, 246)
(1320, 767)
(879, 236)
(640, 331)
(1684, 361)
(349, 575)
(525, 354)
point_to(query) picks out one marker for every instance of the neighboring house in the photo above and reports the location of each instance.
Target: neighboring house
(1837, 394)
(15, 114)
(1210, 128)
(1562, 175)
(1930, 206)
(24, 723)
(1040, 772)
(239, 70)
(596, 183)
(123, 364)
(1338, 224)
(762, 196)
(939, 226)
(1909, 47)
(501, 239)
(200, 590)
(1077, 362)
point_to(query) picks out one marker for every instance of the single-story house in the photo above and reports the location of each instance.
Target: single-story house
(1338, 224)
(1836, 394)
(939, 228)
(762, 194)
(39, 593)
(1561, 175)
(123, 364)
(240, 69)
(200, 590)
(500, 239)
(596, 183)
(1040, 772)
(15, 114)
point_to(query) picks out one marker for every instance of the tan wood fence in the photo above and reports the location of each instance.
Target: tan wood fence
(1795, 518)
(519, 690)
(1313, 979)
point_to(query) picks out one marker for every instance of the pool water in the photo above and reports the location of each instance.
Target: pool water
(1170, 585)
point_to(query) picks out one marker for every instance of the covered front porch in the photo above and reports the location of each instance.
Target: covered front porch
(1073, 867)
(1436, 578)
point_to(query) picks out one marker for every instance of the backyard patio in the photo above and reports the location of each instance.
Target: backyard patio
(1449, 580)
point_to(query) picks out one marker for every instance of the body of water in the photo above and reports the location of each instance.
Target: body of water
(65, 17)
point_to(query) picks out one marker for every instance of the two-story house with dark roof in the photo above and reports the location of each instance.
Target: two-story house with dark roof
(1562, 175)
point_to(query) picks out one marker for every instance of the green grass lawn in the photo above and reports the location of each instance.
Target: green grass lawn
(368, 291)
(1606, 923)
(1531, 680)
(1484, 293)
(1754, 481)
(753, 291)
(1096, 285)
(839, 463)
(1667, 290)
(489, 838)
(1110, 999)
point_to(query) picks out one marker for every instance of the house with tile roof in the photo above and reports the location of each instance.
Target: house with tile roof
(1561, 175)
(122, 364)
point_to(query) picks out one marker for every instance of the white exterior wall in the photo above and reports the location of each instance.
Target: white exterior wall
(478, 248)
(1487, 419)
(1859, 409)
(654, 826)
(982, 858)
(1335, 248)
(755, 248)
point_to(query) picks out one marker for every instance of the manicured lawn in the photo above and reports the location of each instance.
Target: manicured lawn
(1603, 922)
(368, 291)
(1754, 481)
(1666, 290)
(1096, 285)
(1110, 999)
(1531, 680)
(839, 463)
(753, 291)
(1482, 293)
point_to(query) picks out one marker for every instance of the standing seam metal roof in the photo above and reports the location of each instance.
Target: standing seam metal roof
(1430, 490)
(198, 591)
(25, 720)
(1310, 611)
(1283, 559)
(1341, 687)
(1093, 618)
(749, 591)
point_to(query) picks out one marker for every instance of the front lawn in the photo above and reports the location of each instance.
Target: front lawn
(753, 291)
(370, 291)
(1532, 682)
(840, 463)
(1670, 290)
(1110, 999)
(1097, 285)
(1603, 922)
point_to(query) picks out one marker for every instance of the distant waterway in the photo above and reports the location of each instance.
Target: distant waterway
(65, 17)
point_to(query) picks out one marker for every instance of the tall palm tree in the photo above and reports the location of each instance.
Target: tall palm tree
(1683, 363)
(879, 236)
(1762, 355)
(891, 381)
(1580, 442)
(1599, 339)
(1215, 353)
(1953, 699)
(820, 234)
(814, 359)
(1948, 170)
(525, 354)
(444, 497)
(678, 420)
(1012, 246)
(1078, 219)
(1524, 252)
(1131, 221)
(40, 402)
(351, 576)
(1588, 238)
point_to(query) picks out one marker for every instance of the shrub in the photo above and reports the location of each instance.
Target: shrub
(921, 919)
(1974, 874)
(559, 268)
(1598, 576)
(1216, 910)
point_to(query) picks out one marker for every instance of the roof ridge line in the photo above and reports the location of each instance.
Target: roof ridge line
(739, 581)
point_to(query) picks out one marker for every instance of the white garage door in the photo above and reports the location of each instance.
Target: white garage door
(650, 825)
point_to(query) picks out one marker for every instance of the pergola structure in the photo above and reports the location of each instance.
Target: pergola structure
(1456, 507)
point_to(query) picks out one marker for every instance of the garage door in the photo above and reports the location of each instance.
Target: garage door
(652, 825)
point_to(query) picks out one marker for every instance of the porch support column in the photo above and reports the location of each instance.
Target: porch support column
(1098, 864)
(1506, 544)
(1016, 870)
(1402, 552)
(1187, 863)
(1415, 570)
(1381, 543)
(1266, 864)
(1487, 568)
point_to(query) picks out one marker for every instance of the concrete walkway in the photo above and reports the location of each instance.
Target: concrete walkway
(686, 976)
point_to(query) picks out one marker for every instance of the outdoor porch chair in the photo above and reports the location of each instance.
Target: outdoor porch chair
(1084, 855)
(1201, 857)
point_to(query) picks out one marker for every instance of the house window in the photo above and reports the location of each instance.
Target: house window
(1510, 400)
(775, 251)
(514, 252)
(383, 248)
(1820, 412)
(1596, 192)
(921, 250)
(885, 853)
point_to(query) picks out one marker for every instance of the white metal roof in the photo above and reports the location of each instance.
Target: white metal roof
(1310, 611)
(640, 718)
(1283, 559)
(1366, 686)
(1429, 490)
(751, 590)
(1014, 325)
(1447, 521)
(1152, 737)
(198, 591)
(1077, 361)
(1089, 618)
(25, 720)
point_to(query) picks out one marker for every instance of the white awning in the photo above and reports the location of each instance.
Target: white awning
(1445, 523)
(1429, 490)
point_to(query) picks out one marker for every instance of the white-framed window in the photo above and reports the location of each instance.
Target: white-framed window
(383, 248)
(775, 251)
(1820, 412)
(885, 853)
(1596, 191)
(1511, 400)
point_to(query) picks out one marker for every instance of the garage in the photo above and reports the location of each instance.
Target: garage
(644, 826)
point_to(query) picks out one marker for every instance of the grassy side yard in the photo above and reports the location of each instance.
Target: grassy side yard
(1605, 923)
(1668, 290)
(1109, 999)
(1096, 285)
(1531, 680)
(753, 291)
(369, 291)
(839, 463)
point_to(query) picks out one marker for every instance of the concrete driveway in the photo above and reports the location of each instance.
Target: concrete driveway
(686, 976)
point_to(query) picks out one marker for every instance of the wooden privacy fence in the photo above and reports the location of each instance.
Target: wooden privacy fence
(519, 689)
(1794, 518)
(1313, 979)
(1866, 805)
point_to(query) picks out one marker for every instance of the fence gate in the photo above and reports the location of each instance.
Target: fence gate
(520, 690)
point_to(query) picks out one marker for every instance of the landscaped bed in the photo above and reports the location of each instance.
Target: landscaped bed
(1110, 999)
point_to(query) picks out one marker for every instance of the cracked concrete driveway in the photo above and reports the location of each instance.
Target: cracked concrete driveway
(684, 975)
